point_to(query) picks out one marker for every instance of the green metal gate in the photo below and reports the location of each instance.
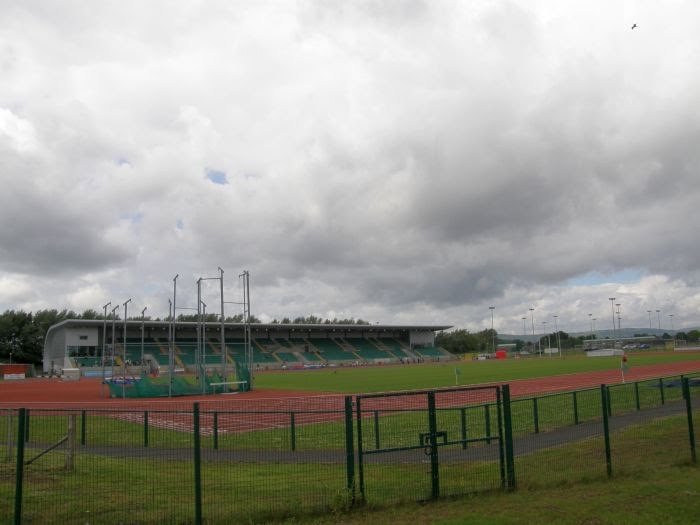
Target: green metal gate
(427, 444)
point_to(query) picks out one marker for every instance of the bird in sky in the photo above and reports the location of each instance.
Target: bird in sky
(634, 25)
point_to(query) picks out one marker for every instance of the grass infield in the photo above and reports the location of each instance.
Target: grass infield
(438, 375)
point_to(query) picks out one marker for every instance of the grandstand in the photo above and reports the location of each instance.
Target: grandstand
(80, 343)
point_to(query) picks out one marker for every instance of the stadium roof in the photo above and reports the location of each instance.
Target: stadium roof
(259, 326)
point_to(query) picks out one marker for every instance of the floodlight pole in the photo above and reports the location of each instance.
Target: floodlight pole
(493, 334)
(658, 315)
(619, 326)
(143, 336)
(556, 329)
(104, 344)
(544, 332)
(590, 319)
(532, 318)
(612, 308)
(672, 328)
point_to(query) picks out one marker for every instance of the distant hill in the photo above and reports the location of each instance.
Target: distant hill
(601, 334)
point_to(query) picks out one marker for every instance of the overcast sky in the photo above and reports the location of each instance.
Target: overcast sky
(399, 161)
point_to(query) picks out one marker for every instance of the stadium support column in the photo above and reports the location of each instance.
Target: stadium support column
(104, 344)
(223, 328)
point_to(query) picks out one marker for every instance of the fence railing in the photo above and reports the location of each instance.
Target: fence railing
(218, 462)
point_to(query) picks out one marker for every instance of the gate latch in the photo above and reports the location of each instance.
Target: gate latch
(428, 439)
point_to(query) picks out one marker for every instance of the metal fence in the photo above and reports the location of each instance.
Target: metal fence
(233, 461)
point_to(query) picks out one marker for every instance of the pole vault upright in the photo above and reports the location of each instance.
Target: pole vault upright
(246, 330)
(223, 328)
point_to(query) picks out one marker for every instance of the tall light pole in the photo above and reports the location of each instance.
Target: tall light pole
(493, 334)
(590, 320)
(619, 328)
(612, 307)
(649, 312)
(556, 329)
(143, 336)
(544, 331)
(532, 319)
(658, 315)
(104, 344)
(594, 320)
(672, 328)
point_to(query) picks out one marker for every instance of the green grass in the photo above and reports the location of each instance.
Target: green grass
(653, 483)
(438, 375)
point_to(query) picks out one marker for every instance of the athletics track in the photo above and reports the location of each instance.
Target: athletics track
(269, 409)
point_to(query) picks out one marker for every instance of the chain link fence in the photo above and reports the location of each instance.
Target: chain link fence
(228, 461)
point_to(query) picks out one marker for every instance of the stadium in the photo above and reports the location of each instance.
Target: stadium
(96, 347)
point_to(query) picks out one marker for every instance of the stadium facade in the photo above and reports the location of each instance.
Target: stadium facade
(92, 345)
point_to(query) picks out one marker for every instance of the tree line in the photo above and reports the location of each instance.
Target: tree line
(22, 333)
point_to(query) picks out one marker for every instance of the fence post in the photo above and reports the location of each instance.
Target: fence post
(535, 415)
(197, 467)
(8, 457)
(434, 462)
(70, 456)
(487, 423)
(661, 389)
(609, 402)
(216, 430)
(636, 394)
(145, 428)
(501, 440)
(293, 431)
(26, 426)
(377, 444)
(575, 407)
(83, 424)
(689, 410)
(360, 457)
(463, 423)
(19, 473)
(508, 431)
(606, 427)
(349, 448)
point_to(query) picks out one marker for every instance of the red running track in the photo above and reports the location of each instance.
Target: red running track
(265, 409)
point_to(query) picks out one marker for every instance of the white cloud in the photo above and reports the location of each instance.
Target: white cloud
(401, 162)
